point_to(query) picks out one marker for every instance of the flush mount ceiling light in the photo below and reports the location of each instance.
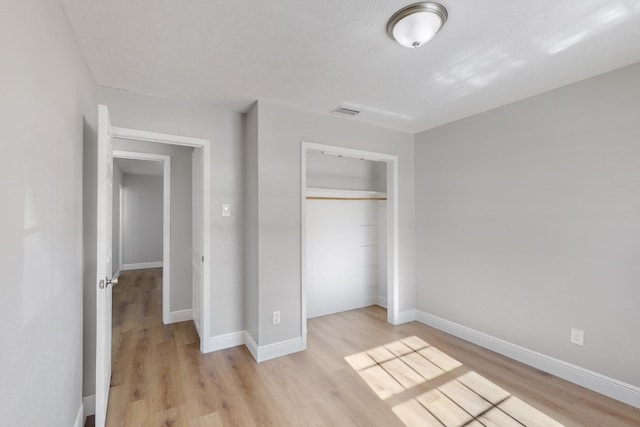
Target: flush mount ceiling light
(416, 24)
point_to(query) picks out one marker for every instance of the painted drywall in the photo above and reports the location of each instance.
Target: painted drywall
(329, 171)
(530, 222)
(224, 129)
(142, 218)
(115, 217)
(48, 106)
(143, 205)
(280, 132)
(341, 255)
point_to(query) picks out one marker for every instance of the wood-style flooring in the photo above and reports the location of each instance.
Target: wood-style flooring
(358, 371)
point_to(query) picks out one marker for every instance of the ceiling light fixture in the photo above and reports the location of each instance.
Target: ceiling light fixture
(416, 24)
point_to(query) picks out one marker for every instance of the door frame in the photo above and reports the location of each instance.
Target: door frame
(392, 225)
(205, 145)
(166, 223)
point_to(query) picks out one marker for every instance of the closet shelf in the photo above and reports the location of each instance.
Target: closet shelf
(314, 193)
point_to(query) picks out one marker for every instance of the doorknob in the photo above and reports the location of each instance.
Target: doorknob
(107, 282)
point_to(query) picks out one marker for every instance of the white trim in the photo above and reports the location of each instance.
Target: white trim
(259, 353)
(120, 234)
(341, 305)
(381, 301)
(251, 345)
(179, 316)
(142, 266)
(611, 387)
(205, 144)
(393, 276)
(205, 309)
(79, 422)
(303, 247)
(89, 405)
(220, 342)
(405, 317)
(162, 138)
(279, 349)
(393, 245)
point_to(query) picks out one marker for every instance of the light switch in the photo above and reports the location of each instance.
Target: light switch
(226, 210)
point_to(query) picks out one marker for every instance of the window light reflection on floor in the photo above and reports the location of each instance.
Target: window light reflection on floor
(409, 365)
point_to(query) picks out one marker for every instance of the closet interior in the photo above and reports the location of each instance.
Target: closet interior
(346, 233)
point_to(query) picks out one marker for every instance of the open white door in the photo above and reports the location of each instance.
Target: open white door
(197, 252)
(103, 265)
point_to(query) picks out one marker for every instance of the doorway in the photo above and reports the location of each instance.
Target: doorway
(200, 311)
(391, 222)
(137, 173)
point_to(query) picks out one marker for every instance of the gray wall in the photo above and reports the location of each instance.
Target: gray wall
(530, 222)
(280, 132)
(47, 108)
(142, 219)
(224, 129)
(115, 219)
(329, 171)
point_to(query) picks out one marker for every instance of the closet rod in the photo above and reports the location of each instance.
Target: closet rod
(345, 198)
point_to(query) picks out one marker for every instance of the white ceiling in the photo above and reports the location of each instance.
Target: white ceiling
(316, 55)
(139, 167)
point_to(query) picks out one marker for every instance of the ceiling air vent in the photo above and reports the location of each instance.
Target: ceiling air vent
(346, 111)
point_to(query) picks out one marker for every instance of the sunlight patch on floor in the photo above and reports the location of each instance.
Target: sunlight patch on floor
(467, 400)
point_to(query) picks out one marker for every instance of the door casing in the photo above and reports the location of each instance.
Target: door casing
(393, 296)
(205, 145)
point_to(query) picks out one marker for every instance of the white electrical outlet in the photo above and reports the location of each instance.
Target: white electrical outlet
(577, 336)
(226, 210)
(276, 317)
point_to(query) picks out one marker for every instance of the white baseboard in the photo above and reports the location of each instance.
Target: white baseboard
(260, 353)
(140, 266)
(278, 349)
(89, 405)
(79, 422)
(220, 342)
(381, 301)
(341, 305)
(180, 316)
(405, 317)
(602, 384)
(251, 345)
(115, 276)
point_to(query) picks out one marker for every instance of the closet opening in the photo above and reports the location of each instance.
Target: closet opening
(349, 231)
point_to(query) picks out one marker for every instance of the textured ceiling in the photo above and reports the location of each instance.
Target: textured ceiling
(316, 55)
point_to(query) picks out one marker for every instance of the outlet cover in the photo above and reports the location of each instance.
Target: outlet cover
(577, 336)
(276, 317)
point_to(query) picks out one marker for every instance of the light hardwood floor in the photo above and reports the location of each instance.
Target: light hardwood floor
(358, 371)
